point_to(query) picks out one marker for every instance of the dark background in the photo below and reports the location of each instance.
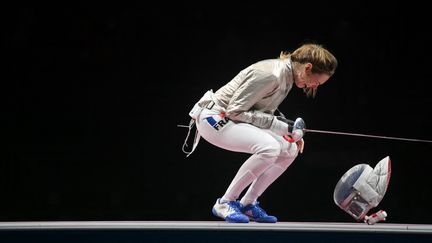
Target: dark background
(94, 93)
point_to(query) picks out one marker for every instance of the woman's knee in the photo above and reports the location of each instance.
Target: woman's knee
(287, 157)
(271, 150)
(290, 151)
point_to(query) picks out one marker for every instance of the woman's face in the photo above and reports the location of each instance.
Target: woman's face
(307, 79)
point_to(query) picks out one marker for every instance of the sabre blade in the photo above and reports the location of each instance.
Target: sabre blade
(367, 135)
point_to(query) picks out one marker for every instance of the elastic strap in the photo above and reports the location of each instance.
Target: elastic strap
(196, 138)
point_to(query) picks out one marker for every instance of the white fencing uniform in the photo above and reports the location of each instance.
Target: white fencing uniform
(238, 117)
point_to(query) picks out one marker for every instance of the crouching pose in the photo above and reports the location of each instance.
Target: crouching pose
(242, 116)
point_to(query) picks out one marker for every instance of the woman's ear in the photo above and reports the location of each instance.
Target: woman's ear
(308, 68)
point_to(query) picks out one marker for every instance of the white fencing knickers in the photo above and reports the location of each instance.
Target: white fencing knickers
(271, 153)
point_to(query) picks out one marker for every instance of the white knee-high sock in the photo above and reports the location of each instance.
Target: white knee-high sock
(265, 180)
(251, 169)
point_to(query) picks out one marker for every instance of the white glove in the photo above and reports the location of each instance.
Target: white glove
(300, 145)
(279, 127)
(292, 131)
(297, 134)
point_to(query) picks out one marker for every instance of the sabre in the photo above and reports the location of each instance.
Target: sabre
(367, 135)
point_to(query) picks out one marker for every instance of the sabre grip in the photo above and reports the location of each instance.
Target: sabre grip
(376, 217)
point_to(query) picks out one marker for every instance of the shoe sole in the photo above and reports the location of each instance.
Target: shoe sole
(261, 221)
(227, 219)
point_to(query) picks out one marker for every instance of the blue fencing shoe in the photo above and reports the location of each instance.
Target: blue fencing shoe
(257, 214)
(230, 211)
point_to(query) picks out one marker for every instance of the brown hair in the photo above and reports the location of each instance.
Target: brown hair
(323, 62)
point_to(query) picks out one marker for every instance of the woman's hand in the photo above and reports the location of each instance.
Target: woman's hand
(300, 145)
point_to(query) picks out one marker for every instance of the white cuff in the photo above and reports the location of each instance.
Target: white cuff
(279, 127)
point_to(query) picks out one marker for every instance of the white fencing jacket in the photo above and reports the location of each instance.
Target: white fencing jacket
(254, 94)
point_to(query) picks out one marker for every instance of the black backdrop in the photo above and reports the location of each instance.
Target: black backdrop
(94, 94)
